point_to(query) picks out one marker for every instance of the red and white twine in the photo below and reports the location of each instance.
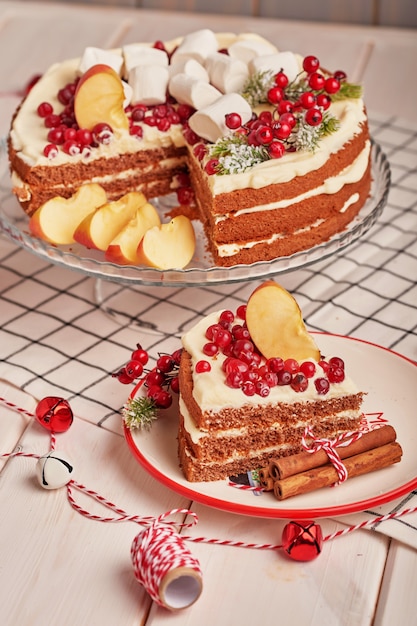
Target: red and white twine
(160, 548)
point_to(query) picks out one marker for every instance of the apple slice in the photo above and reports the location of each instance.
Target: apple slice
(99, 229)
(56, 220)
(168, 246)
(275, 323)
(123, 248)
(99, 99)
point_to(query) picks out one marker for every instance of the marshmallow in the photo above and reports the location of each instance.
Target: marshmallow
(198, 45)
(137, 54)
(210, 123)
(285, 61)
(128, 92)
(227, 74)
(248, 49)
(95, 56)
(149, 84)
(189, 90)
(191, 67)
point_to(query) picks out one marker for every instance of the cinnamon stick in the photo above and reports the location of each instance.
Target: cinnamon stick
(297, 463)
(265, 480)
(326, 475)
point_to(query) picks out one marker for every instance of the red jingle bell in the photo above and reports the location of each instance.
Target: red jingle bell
(54, 414)
(302, 541)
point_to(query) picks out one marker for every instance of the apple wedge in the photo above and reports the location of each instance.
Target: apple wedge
(169, 246)
(56, 220)
(99, 98)
(99, 229)
(275, 323)
(123, 249)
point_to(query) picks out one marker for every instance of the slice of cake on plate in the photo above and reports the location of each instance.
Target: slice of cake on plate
(250, 385)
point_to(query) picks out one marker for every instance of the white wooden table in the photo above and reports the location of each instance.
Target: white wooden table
(57, 567)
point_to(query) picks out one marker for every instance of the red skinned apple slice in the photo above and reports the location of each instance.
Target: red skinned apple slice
(99, 229)
(56, 220)
(123, 249)
(169, 246)
(99, 99)
(275, 323)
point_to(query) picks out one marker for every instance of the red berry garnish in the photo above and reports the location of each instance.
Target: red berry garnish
(281, 80)
(45, 109)
(307, 99)
(56, 135)
(308, 368)
(275, 95)
(134, 369)
(233, 120)
(185, 111)
(202, 366)
(262, 388)
(175, 384)
(276, 149)
(140, 355)
(154, 378)
(227, 316)
(275, 364)
(291, 365)
(316, 81)
(313, 117)
(234, 379)
(71, 147)
(123, 377)
(161, 397)
(331, 85)
(165, 363)
(210, 349)
(336, 374)
(340, 75)
(102, 133)
(185, 195)
(50, 151)
(52, 121)
(248, 388)
(282, 130)
(264, 135)
(324, 101)
(299, 382)
(336, 361)
(241, 311)
(322, 386)
(311, 64)
(84, 136)
(284, 377)
(211, 166)
(136, 131)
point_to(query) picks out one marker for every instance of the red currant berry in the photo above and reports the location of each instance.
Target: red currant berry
(284, 377)
(200, 151)
(50, 151)
(240, 332)
(316, 81)
(165, 363)
(175, 384)
(162, 398)
(71, 147)
(227, 316)
(136, 131)
(276, 149)
(233, 120)
(336, 361)
(292, 366)
(336, 374)
(288, 118)
(138, 112)
(241, 311)
(134, 369)
(262, 388)
(234, 379)
(102, 133)
(211, 166)
(70, 134)
(163, 124)
(265, 117)
(248, 388)
(324, 366)
(323, 101)
(177, 356)
(271, 379)
(311, 64)
(123, 377)
(281, 80)
(45, 109)
(340, 75)
(140, 355)
(307, 100)
(275, 95)
(322, 386)
(202, 366)
(154, 378)
(56, 135)
(185, 111)
(231, 365)
(299, 382)
(264, 135)
(285, 106)
(331, 85)
(185, 195)
(313, 117)
(84, 136)
(52, 121)
(210, 349)
(308, 369)
(282, 130)
(275, 364)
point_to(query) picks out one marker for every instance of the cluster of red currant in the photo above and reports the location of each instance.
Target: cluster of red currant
(245, 369)
(160, 382)
(300, 103)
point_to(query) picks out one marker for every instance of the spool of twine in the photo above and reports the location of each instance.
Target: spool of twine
(165, 567)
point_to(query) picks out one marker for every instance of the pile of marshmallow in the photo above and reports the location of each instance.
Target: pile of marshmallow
(196, 74)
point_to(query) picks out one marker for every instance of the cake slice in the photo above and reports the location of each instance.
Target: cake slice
(242, 404)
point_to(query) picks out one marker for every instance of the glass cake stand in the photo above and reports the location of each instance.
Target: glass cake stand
(201, 271)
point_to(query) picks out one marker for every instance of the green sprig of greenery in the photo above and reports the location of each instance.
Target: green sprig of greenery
(348, 90)
(139, 412)
(235, 155)
(257, 86)
(308, 137)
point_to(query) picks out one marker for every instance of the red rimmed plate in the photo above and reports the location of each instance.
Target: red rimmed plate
(390, 381)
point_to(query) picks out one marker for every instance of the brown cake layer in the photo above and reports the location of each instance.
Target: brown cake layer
(148, 171)
(267, 431)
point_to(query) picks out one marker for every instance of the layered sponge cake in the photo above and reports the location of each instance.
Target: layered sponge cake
(253, 383)
(273, 150)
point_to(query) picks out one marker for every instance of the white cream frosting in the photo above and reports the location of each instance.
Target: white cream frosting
(212, 394)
